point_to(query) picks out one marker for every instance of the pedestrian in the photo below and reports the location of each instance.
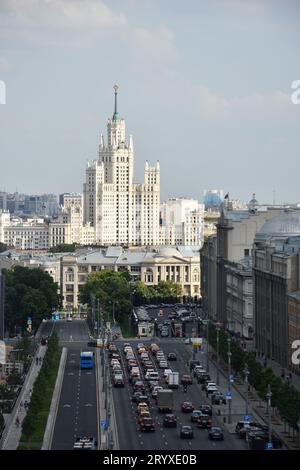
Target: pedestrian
(282, 374)
(36, 360)
(17, 422)
(30, 393)
(40, 360)
(291, 377)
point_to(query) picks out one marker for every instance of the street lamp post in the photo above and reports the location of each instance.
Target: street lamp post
(229, 380)
(207, 351)
(218, 357)
(246, 372)
(269, 396)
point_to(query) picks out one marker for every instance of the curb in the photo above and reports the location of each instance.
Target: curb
(48, 435)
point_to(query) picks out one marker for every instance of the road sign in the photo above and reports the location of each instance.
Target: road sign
(196, 341)
(269, 446)
(231, 378)
(103, 424)
(247, 418)
(228, 395)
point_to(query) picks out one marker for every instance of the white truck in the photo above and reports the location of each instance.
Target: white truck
(165, 400)
(173, 380)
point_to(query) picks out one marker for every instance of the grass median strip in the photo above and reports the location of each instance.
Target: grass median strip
(34, 424)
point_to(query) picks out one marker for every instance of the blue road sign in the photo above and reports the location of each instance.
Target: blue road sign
(228, 394)
(231, 377)
(103, 424)
(269, 446)
(247, 418)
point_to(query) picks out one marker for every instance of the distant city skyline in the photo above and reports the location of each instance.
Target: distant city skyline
(205, 88)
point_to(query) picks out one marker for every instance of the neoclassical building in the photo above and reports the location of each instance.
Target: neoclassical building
(121, 211)
(147, 264)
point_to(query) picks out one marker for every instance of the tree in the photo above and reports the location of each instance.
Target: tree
(108, 287)
(3, 247)
(63, 248)
(28, 293)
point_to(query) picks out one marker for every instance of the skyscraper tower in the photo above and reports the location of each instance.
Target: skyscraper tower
(120, 211)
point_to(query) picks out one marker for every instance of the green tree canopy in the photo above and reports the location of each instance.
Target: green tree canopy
(28, 292)
(63, 248)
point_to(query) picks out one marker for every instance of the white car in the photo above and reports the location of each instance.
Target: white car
(155, 390)
(211, 387)
(187, 341)
(167, 372)
(163, 364)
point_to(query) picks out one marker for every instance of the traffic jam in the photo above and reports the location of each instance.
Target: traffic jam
(152, 379)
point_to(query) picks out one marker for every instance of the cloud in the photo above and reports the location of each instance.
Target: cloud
(158, 46)
(50, 21)
(4, 63)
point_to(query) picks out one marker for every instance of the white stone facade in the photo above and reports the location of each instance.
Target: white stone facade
(121, 211)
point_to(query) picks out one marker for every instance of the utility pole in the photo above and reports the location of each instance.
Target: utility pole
(229, 381)
(218, 357)
(246, 372)
(98, 311)
(269, 396)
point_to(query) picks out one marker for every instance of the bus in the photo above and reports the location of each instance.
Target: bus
(86, 360)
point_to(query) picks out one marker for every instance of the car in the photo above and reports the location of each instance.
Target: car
(170, 421)
(202, 378)
(218, 399)
(195, 415)
(164, 333)
(206, 409)
(163, 364)
(264, 437)
(167, 322)
(172, 356)
(242, 424)
(143, 399)
(204, 421)
(139, 385)
(211, 387)
(147, 424)
(247, 429)
(136, 395)
(215, 433)
(198, 370)
(85, 443)
(186, 380)
(156, 390)
(118, 381)
(186, 432)
(187, 407)
(193, 363)
(69, 319)
(142, 405)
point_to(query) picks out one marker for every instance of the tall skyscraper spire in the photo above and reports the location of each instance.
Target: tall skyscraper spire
(116, 115)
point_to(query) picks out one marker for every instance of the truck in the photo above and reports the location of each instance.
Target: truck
(173, 380)
(165, 400)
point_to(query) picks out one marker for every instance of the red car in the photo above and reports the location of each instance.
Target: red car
(204, 421)
(187, 407)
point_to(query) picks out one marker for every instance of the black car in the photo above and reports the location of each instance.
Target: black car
(215, 433)
(136, 395)
(193, 364)
(170, 421)
(206, 409)
(92, 343)
(218, 399)
(204, 421)
(186, 431)
(202, 378)
(263, 436)
(172, 356)
(147, 424)
(187, 407)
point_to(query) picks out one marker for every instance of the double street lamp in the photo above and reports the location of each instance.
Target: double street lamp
(229, 380)
(246, 373)
(269, 396)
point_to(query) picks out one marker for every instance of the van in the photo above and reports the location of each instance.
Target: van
(152, 376)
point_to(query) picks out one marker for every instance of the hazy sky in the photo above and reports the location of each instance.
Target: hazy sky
(205, 88)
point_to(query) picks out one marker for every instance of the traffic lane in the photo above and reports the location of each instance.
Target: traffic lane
(130, 437)
(74, 418)
(163, 438)
(198, 397)
(75, 330)
(63, 436)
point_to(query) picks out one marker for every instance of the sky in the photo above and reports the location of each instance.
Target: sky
(204, 87)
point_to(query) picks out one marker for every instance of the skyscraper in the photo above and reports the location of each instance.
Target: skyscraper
(121, 211)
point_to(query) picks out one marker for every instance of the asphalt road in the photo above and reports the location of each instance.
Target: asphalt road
(167, 438)
(77, 413)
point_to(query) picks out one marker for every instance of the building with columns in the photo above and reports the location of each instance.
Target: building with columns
(121, 211)
(148, 264)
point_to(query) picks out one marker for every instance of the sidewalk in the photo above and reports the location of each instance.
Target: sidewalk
(12, 433)
(257, 408)
(277, 369)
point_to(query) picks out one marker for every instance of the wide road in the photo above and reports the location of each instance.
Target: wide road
(167, 438)
(77, 413)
